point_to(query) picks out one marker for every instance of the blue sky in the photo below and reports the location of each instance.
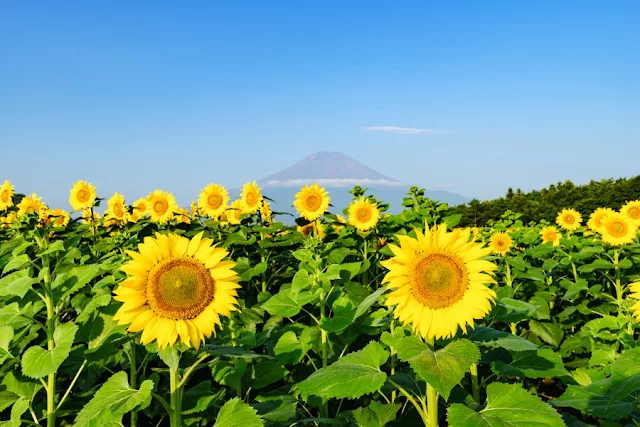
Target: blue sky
(175, 95)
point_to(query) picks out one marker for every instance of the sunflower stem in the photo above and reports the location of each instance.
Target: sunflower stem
(475, 389)
(325, 349)
(432, 396)
(419, 408)
(392, 350)
(133, 379)
(619, 290)
(51, 380)
(176, 399)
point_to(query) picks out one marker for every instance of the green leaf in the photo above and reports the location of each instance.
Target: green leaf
(16, 263)
(267, 373)
(231, 352)
(452, 220)
(289, 350)
(170, 357)
(301, 280)
(21, 386)
(38, 362)
(343, 315)
(595, 400)
(369, 301)
(541, 363)
(501, 339)
(200, 397)
(507, 405)
(236, 413)
(277, 409)
(78, 277)
(376, 414)
(352, 376)
(229, 373)
(287, 303)
(625, 374)
(511, 310)
(444, 368)
(56, 246)
(93, 304)
(114, 399)
(6, 335)
(19, 408)
(551, 333)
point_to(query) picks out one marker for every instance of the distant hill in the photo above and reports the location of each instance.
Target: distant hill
(339, 173)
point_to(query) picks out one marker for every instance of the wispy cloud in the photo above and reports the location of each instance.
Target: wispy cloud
(404, 131)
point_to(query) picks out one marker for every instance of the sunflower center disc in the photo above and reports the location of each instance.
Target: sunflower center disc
(312, 202)
(117, 210)
(569, 219)
(618, 229)
(439, 280)
(83, 195)
(179, 288)
(364, 215)
(159, 207)
(634, 213)
(214, 201)
(4, 196)
(251, 199)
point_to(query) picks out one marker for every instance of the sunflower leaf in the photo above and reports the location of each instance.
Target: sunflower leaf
(507, 405)
(352, 376)
(443, 369)
(38, 362)
(236, 413)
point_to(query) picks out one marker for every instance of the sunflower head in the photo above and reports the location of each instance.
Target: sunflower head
(632, 211)
(313, 228)
(58, 218)
(500, 243)
(234, 213)
(312, 202)
(363, 214)
(597, 216)
(265, 212)
(617, 229)
(251, 197)
(183, 216)
(213, 200)
(550, 234)
(177, 289)
(437, 281)
(569, 219)
(82, 195)
(88, 218)
(339, 225)
(634, 288)
(8, 220)
(161, 206)
(6, 195)
(117, 212)
(31, 204)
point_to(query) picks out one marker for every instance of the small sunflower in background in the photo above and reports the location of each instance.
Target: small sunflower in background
(251, 197)
(500, 243)
(312, 202)
(569, 219)
(58, 218)
(31, 204)
(117, 212)
(550, 234)
(177, 289)
(438, 281)
(82, 195)
(632, 211)
(339, 225)
(597, 216)
(139, 210)
(363, 214)
(213, 200)
(617, 229)
(265, 212)
(87, 217)
(6, 195)
(162, 206)
(634, 288)
(182, 216)
(308, 230)
(235, 211)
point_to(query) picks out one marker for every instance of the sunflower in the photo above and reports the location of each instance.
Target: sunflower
(177, 288)
(162, 206)
(635, 289)
(617, 229)
(234, 213)
(550, 234)
(30, 204)
(500, 243)
(251, 197)
(6, 195)
(116, 212)
(87, 217)
(632, 211)
(311, 202)
(437, 281)
(363, 214)
(597, 216)
(82, 195)
(569, 219)
(214, 200)
(308, 230)
(340, 224)
(265, 212)
(7, 221)
(58, 218)
(183, 216)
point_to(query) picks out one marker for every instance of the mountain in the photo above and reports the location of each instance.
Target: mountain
(339, 173)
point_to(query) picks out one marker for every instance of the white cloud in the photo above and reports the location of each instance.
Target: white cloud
(404, 131)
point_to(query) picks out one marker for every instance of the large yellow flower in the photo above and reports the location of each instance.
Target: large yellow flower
(569, 219)
(363, 214)
(82, 195)
(635, 293)
(6, 195)
(58, 218)
(596, 217)
(617, 229)
(162, 206)
(30, 204)
(214, 200)
(437, 281)
(251, 197)
(550, 234)
(312, 202)
(500, 243)
(234, 213)
(116, 212)
(632, 210)
(177, 289)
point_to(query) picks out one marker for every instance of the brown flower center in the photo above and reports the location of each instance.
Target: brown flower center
(214, 201)
(83, 196)
(438, 279)
(617, 228)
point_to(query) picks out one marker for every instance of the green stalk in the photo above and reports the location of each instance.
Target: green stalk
(432, 402)
(416, 405)
(176, 399)
(619, 290)
(474, 382)
(51, 380)
(133, 379)
(393, 361)
(325, 350)
(365, 275)
(508, 278)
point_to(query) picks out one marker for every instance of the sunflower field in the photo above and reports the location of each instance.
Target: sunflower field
(224, 314)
